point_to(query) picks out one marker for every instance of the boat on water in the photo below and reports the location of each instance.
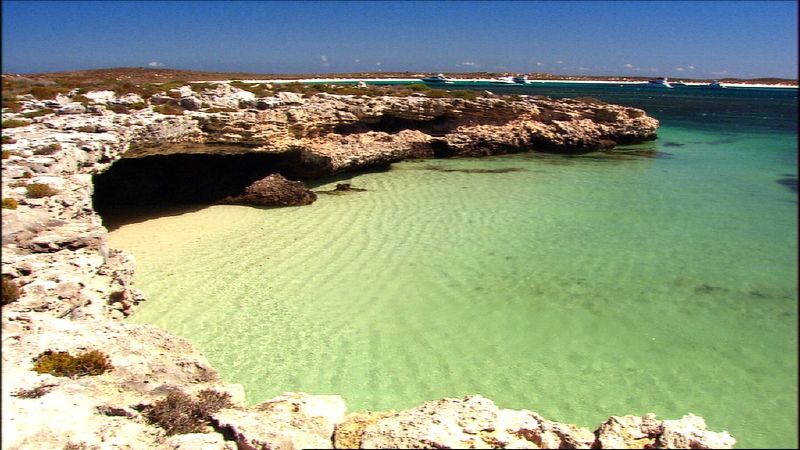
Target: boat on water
(660, 82)
(503, 80)
(678, 83)
(440, 78)
(716, 85)
(520, 79)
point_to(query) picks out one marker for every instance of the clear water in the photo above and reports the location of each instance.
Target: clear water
(578, 287)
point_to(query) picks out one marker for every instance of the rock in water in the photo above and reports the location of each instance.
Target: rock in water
(275, 190)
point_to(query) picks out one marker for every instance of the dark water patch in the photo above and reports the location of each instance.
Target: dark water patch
(789, 182)
(477, 170)
(342, 189)
(721, 141)
(672, 144)
(623, 155)
(709, 289)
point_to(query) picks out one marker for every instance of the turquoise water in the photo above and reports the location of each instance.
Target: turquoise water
(578, 287)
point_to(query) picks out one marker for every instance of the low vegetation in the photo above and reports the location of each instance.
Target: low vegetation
(13, 123)
(172, 110)
(10, 290)
(8, 140)
(36, 392)
(178, 413)
(48, 149)
(39, 113)
(10, 203)
(40, 190)
(62, 364)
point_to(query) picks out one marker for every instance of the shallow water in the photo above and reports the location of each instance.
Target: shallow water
(578, 287)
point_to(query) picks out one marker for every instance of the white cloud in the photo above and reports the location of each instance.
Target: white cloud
(155, 64)
(469, 63)
(720, 72)
(629, 66)
(690, 67)
(324, 59)
(540, 64)
(583, 68)
(653, 69)
(559, 62)
(358, 60)
(378, 63)
(680, 69)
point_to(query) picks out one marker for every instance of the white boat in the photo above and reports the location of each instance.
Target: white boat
(716, 85)
(503, 80)
(520, 79)
(660, 82)
(440, 78)
(679, 83)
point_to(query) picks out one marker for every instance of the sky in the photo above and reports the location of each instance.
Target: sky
(701, 39)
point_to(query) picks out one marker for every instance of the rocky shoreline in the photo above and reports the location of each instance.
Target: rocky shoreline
(68, 292)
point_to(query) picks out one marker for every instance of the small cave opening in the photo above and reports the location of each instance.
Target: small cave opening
(134, 189)
(438, 126)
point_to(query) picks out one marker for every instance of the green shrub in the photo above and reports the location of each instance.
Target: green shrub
(62, 364)
(40, 190)
(10, 102)
(39, 113)
(417, 87)
(138, 105)
(47, 92)
(216, 110)
(48, 149)
(178, 413)
(10, 290)
(82, 99)
(466, 95)
(173, 110)
(119, 109)
(7, 154)
(13, 123)
(10, 203)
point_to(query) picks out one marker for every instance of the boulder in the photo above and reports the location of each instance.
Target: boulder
(470, 422)
(275, 190)
(291, 421)
(191, 103)
(72, 108)
(690, 432)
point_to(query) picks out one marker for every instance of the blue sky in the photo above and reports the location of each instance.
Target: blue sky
(676, 39)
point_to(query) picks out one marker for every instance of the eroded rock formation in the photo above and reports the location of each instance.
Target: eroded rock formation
(71, 291)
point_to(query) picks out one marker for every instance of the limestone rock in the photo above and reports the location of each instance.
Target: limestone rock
(291, 421)
(275, 190)
(470, 422)
(690, 432)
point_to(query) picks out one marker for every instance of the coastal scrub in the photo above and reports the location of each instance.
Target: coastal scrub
(62, 364)
(178, 413)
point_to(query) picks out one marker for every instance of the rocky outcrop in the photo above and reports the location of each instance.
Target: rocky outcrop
(275, 190)
(73, 290)
(475, 422)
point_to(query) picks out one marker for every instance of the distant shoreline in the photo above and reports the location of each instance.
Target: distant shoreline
(137, 75)
(490, 80)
